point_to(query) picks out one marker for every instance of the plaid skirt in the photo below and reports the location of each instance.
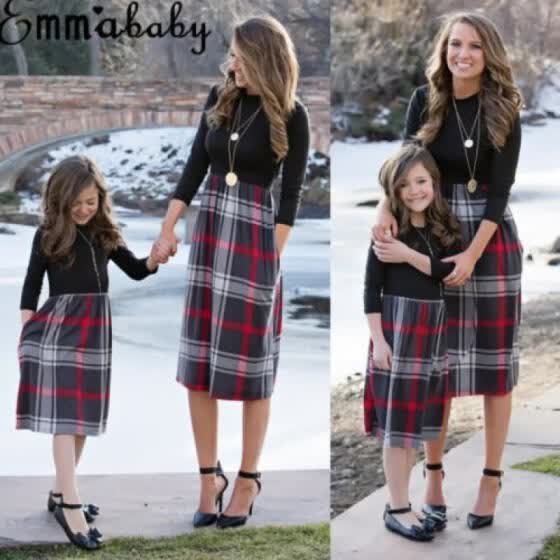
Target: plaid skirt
(230, 337)
(484, 313)
(65, 366)
(404, 406)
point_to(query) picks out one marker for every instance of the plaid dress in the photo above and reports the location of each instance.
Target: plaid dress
(484, 313)
(232, 320)
(65, 366)
(403, 406)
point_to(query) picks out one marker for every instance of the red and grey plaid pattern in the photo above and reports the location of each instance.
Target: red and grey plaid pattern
(65, 366)
(230, 337)
(404, 406)
(484, 314)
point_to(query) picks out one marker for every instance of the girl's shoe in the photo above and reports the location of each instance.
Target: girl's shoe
(91, 511)
(91, 541)
(436, 516)
(479, 521)
(413, 533)
(228, 521)
(202, 519)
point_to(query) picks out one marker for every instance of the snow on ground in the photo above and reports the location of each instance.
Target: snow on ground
(535, 204)
(149, 429)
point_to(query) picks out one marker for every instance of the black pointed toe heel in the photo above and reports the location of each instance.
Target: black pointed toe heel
(479, 521)
(202, 519)
(413, 533)
(91, 511)
(436, 515)
(85, 542)
(229, 521)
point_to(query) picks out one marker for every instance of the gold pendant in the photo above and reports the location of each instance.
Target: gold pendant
(471, 185)
(231, 179)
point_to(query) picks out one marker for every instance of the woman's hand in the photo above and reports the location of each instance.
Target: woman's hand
(464, 266)
(26, 314)
(385, 224)
(391, 250)
(382, 354)
(164, 247)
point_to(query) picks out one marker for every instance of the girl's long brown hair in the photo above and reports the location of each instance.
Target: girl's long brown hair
(271, 67)
(70, 177)
(442, 223)
(501, 98)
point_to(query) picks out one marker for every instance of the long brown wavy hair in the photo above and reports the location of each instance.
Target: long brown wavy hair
(392, 176)
(271, 67)
(500, 97)
(69, 178)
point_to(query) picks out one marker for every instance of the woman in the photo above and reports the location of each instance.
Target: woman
(252, 126)
(468, 117)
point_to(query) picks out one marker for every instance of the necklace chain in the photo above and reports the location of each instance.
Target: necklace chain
(462, 130)
(92, 258)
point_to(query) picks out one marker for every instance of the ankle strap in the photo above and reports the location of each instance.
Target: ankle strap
(69, 506)
(252, 475)
(207, 470)
(399, 510)
(492, 472)
(434, 466)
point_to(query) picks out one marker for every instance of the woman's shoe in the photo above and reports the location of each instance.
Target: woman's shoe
(228, 521)
(413, 533)
(91, 511)
(479, 521)
(202, 519)
(87, 542)
(436, 516)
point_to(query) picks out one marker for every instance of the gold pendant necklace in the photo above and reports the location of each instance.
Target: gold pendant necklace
(231, 177)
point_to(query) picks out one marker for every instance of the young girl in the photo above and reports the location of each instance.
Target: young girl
(65, 347)
(406, 382)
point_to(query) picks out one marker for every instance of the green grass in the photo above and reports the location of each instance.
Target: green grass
(306, 542)
(550, 464)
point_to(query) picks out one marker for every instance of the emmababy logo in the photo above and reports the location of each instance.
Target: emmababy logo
(56, 27)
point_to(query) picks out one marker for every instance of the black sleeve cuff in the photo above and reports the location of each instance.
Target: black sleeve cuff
(495, 208)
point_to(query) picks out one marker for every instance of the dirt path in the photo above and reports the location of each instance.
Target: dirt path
(356, 468)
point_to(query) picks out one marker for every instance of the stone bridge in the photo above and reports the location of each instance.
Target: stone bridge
(36, 109)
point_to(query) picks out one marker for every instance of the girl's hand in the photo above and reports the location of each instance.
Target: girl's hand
(464, 266)
(382, 354)
(391, 250)
(385, 225)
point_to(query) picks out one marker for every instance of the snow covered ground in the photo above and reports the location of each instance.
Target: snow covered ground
(149, 429)
(535, 204)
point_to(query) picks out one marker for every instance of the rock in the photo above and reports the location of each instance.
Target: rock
(6, 231)
(554, 262)
(20, 218)
(556, 246)
(97, 140)
(530, 257)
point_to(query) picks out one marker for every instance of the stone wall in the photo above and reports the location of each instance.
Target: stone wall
(35, 109)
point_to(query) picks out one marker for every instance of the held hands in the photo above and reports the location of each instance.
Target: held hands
(382, 355)
(464, 266)
(164, 247)
(390, 250)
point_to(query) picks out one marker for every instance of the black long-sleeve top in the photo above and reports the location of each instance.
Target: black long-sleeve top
(496, 169)
(80, 277)
(402, 279)
(255, 162)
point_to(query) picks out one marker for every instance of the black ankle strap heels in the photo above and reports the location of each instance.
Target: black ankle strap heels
(479, 521)
(229, 521)
(91, 511)
(202, 519)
